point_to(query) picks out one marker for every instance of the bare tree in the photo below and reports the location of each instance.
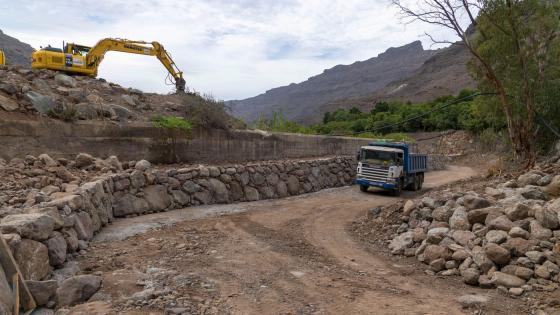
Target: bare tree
(459, 16)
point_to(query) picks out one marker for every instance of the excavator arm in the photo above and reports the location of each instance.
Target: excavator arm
(96, 54)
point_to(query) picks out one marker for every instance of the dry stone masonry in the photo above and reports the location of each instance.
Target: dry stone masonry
(55, 218)
(507, 237)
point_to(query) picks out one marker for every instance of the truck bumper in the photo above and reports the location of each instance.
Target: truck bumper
(365, 182)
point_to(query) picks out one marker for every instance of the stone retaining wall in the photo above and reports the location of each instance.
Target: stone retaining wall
(43, 236)
(136, 141)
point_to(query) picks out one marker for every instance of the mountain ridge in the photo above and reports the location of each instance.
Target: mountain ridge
(17, 52)
(400, 73)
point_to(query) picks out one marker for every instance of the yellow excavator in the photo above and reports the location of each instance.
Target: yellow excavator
(2, 58)
(79, 59)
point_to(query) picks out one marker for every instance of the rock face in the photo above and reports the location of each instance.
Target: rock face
(379, 76)
(77, 289)
(6, 299)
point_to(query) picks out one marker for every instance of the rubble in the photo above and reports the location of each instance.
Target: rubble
(505, 237)
(44, 91)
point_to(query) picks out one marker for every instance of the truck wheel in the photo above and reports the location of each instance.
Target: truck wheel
(397, 191)
(417, 181)
(420, 181)
(364, 188)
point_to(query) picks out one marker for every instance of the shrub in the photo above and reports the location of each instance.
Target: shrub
(171, 123)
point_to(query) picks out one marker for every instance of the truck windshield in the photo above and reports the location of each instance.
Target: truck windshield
(378, 157)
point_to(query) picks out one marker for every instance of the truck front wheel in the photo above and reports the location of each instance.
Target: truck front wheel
(364, 188)
(397, 190)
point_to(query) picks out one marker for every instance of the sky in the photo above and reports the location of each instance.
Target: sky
(229, 49)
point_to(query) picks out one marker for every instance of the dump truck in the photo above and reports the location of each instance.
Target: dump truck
(391, 166)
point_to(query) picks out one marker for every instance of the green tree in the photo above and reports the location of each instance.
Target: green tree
(514, 53)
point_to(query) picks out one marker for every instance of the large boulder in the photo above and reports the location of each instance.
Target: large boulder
(470, 276)
(84, 160)
(442, 214)
(180, 198)
(481, 259)
(539, 232)
(42, 291)
(474, 202)
(532, 192)
(251, 194)
(500, 223)
(433, 252)
(35, 226)
(43, 104)
(8, 104)
(77, 289)
(553, 189)
(65, 80)
(157, 197)
(497, 254)
(507, 280)
(518, 212)
(83, 226)
(528, 179)
(142, 165)
(401, 242)
(293, 185)
(219, 190)
(33, 259)
(57, 249)
(477, 215)
(459, 220)
(128, 204)
(547, 217)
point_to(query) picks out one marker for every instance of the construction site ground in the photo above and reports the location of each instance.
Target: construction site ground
(288, 256)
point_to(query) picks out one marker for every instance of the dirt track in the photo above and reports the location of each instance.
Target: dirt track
(290, 256)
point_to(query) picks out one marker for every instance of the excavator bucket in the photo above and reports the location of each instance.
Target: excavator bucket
(180, 85)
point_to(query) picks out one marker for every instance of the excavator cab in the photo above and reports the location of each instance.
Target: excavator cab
(72, 59)
(2, 58)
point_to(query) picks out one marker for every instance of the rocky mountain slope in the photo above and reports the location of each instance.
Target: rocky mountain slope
(404, 73)
(340, 82)
(17, 53)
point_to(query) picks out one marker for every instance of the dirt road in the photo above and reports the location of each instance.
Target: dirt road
(289, 256)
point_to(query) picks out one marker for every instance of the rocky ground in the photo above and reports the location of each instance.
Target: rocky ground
(500, 233)
(46, 92)
(286, 256)
(29, 181)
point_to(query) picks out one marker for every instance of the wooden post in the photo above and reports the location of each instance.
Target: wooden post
(15, 292)
(13, 275)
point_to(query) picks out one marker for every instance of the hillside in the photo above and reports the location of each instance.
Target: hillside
(296, 101)
(17, 53)
(404, 73)
(443, 74)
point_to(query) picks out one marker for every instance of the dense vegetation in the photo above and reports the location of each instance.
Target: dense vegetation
(515, 49)
(385, 119)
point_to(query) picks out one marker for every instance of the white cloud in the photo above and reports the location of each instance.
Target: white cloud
(232, 49)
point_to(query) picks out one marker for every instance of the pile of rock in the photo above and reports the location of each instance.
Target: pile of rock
(45, 91)
(43, 234)
(32, 180)
(506, 237)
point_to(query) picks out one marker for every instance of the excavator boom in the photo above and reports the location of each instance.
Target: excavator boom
(2, 58)
(86, 60)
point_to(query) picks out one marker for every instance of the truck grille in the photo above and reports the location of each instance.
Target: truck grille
(374, 174)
